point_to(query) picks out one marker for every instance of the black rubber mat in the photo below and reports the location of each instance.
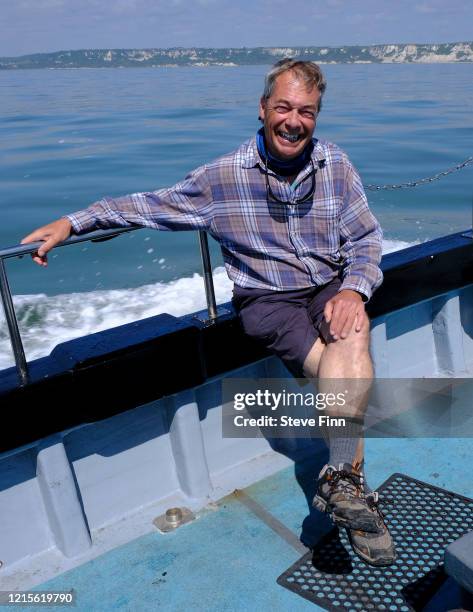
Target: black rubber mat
(423, 521)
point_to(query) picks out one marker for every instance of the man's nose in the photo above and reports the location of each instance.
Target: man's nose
(292, 119)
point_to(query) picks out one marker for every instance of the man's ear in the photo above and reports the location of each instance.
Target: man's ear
(262, 109)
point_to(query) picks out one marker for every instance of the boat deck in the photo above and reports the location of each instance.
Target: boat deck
(230, 557)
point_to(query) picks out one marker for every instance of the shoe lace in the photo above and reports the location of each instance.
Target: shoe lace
(349, 482)
(372, 501)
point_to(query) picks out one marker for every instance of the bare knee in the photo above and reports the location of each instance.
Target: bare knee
(356, 343)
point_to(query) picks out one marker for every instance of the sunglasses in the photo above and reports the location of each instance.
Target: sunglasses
(270, 196)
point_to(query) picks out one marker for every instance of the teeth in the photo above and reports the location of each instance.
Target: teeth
(289, 137)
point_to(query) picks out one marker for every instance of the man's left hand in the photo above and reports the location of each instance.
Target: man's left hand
(343, 311)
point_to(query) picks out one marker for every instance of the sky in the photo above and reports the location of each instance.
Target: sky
(41, 26)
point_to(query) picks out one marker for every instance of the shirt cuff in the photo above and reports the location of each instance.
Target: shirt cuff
(81, 221)
(358, 284)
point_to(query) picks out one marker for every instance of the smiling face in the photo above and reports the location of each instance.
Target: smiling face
(289, 116)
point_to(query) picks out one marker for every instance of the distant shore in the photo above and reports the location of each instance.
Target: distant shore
(457, 52)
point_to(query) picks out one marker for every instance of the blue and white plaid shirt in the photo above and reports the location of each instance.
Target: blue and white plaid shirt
(265, 244)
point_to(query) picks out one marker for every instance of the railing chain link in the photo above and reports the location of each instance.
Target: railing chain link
(422, 181)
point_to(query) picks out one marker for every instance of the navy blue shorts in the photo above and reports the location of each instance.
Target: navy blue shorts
(286, 322)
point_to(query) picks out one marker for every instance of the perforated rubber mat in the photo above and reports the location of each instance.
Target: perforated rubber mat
(423, 521)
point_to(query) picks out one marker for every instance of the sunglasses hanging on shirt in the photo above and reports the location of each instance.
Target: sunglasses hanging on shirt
(269, 192)
(308, 196)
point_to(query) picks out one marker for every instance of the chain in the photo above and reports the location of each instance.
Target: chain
(423, 181)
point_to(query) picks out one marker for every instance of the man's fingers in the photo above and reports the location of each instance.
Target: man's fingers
(348, 324)
(343, 313)
(46, 246)
(343, 319)
(361, 321)
(39, 234)
(338, 319)
(328, 310)
(340, 322)
(40, 256)
(41, 261)
(29, 238)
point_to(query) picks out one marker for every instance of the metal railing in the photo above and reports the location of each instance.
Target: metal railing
(96, 236)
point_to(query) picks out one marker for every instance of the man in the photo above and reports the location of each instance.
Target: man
(303, 250)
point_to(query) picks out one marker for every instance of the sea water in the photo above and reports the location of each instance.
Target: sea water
(69, 137)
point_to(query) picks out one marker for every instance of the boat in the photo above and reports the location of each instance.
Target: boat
(119, 489)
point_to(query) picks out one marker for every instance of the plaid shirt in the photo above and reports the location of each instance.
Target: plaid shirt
(265, 244)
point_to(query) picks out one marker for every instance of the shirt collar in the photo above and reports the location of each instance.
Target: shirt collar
(251, 157)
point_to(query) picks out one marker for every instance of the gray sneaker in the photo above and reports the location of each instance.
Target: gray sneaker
(341, 494)
(374, 548)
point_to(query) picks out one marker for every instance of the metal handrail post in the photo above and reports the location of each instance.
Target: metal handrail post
(208, 278)
(15, 338)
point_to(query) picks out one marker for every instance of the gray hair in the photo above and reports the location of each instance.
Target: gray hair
(309, 72)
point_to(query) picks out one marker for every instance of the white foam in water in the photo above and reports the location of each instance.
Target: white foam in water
(47, 321)
(389, 246)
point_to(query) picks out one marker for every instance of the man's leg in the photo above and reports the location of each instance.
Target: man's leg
(343, 359)
(347, 363)
(343, 492)
(343, 363)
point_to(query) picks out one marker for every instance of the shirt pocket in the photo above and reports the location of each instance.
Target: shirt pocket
(321, 231)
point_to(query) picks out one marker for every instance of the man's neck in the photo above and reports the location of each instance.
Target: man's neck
(287, 168)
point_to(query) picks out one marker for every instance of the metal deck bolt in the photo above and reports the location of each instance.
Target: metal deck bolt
(174, 516)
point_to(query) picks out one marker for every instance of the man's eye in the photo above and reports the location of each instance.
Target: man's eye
(281, 109)
(308, 114)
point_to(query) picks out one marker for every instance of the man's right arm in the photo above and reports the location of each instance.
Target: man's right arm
(188, 205)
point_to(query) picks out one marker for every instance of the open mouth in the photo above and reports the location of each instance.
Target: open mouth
(290, 137)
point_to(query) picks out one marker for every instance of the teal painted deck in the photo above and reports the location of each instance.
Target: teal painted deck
(229, 558)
